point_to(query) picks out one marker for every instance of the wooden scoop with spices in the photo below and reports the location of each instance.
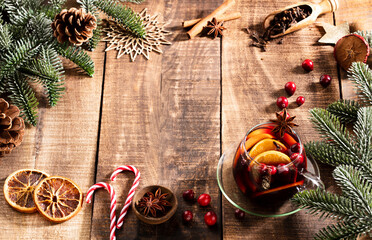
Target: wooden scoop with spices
(295, 17)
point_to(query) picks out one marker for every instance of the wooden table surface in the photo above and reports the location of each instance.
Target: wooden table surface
(172, 116)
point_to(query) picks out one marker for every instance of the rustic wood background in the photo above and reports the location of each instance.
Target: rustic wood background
(172, 116)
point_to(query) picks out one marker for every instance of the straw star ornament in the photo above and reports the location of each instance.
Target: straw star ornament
(126, 43)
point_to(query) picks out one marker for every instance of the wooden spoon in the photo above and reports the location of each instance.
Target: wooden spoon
(325, 6)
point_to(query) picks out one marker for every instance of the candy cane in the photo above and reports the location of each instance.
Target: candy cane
(131, 191)
(111, 190)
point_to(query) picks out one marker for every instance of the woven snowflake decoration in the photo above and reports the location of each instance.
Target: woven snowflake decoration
(126, 43)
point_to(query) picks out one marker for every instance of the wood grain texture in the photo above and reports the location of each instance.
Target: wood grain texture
(63, 144)
(252, 80)
(163, 116)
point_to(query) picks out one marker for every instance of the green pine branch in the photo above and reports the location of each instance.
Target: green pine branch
(24, 97)
(78, 56)
(334, 132)
(349, 230)
(5, 38)
(123, 15)
(361, 75)
(89, 6)
(345, 110)
(133, 1)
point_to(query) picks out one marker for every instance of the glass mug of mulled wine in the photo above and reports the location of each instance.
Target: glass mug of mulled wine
(270, 165)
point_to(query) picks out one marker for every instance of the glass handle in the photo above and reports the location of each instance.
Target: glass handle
(311, 181)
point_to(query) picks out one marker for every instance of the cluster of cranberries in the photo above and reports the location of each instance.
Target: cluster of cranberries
(210, 218)
(290, 87)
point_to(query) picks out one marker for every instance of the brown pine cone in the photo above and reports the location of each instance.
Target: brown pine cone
(74, 25)
(11, 127)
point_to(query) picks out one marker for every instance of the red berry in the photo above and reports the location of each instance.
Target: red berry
(300, 100)
(204, 200)
(262, 168)
(290, 88)
(272, 170)
(239, 214)
(325, 80)
(210, 218)
(188, 195)
(187, 216)
(282, 112)
(308, 65)
(297, 158)
(282, 102)
(296, 148)
(283, 169)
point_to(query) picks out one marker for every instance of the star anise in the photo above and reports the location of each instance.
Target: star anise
(215, 27)
(284, 123)
(152, 203)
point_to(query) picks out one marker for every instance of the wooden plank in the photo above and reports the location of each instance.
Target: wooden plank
(64, 144)
(251, 82)
(358, 14)
(162, 116)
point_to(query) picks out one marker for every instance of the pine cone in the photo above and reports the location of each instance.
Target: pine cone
(11, 127)
(74, 25)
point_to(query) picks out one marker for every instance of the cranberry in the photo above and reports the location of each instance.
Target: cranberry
(272, 170)
(290, 88)
(210, 218)
(188, 195)
(262, 168)
(308, 65)
(187, 216)
(283, 169)
(239, 214)
(300, 100)
(298, 158)
(296, 148)
(282, 102)
(282, 112)
(325, 80)
(204, 200)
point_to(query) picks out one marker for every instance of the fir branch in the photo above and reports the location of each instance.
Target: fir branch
(330, 127)
(123, 15)
(22, 51)
(363, 129)
(23, 96)
(343, 230)
(328, 154)
(353, 187)
(133, 1)
(361, 75)
(328, 205)
(5, 37)
(89, 6)
(78, 56)
(52, 8)
(345, 110)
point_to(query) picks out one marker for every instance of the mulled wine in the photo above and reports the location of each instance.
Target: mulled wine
(269, 163)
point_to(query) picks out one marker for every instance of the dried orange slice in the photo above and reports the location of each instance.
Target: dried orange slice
(267, 145)
(19, 188)
(58, 199)
(272, 158)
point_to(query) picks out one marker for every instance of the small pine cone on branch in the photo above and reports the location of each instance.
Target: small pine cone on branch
(11, 127)
(74, 25)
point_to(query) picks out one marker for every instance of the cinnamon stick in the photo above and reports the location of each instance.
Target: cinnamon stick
(203, 22)
(224, 17)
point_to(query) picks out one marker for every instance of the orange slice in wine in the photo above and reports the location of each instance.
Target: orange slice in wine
(58, 199)
(19, 189)
(255, 139)
(267, 145)
(272, 158)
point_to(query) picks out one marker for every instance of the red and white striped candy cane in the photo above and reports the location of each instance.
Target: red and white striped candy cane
(111, 190)
(131, 191)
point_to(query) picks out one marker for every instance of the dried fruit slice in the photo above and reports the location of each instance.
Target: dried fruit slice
(19, 188)
(267, 145)
(58, 199)
(272, 158)
(255, 139)
(351, 48)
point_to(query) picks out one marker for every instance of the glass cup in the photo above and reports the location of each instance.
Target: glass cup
(268, 167)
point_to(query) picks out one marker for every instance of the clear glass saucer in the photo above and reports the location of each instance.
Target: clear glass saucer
(232, 193)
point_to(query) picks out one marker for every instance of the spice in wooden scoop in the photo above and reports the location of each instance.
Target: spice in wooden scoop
(285, 19)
